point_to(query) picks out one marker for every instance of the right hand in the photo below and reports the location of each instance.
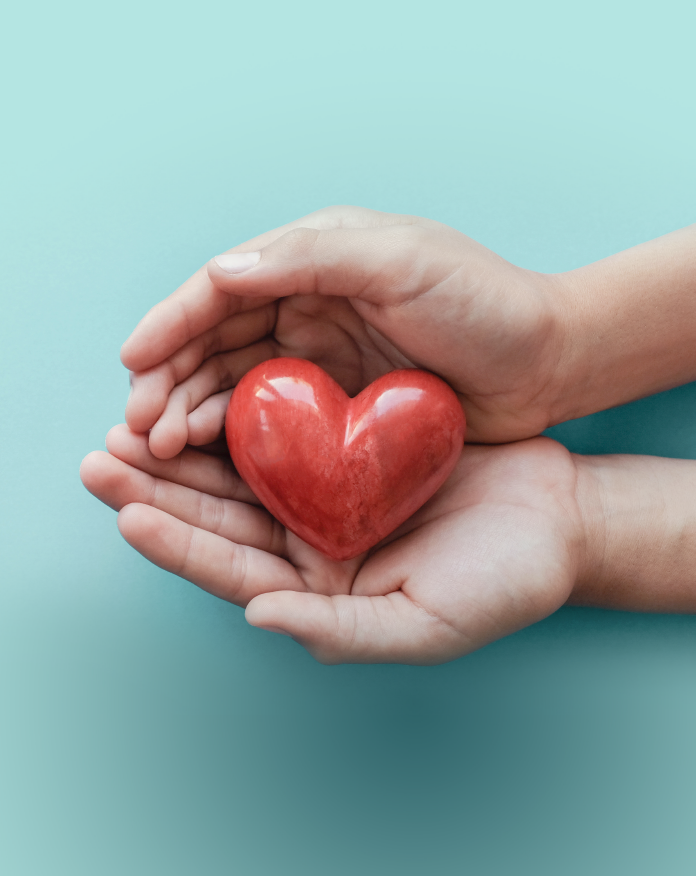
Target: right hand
(359, 293)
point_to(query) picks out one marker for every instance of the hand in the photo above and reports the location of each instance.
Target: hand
(499, 547)
(359, 293)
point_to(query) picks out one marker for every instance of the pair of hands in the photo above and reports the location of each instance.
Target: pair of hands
(502, 543)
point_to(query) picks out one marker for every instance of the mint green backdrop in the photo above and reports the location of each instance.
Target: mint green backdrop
(145, 729)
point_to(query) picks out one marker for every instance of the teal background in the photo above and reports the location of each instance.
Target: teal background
(145, 728)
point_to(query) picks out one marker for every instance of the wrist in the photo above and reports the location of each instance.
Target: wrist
(624, 326)
(577, 343)
(557, 372)
(639, 533)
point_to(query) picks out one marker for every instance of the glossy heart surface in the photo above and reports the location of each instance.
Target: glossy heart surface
(339, 472)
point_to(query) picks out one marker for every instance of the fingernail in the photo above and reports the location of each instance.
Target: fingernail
(275, 630)
(237, 262)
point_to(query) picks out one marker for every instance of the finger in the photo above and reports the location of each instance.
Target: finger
(118, 484)
(198, 305)
(150, 389)
(358, 629)
(169, 435)
(195, 307)
(231, 571)
(218, 448)
(384, 265)
(343, 216)
(202, 472)
(206, 422)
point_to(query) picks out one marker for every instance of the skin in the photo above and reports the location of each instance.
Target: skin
(361, 293)
(499, 546)
(516, 531)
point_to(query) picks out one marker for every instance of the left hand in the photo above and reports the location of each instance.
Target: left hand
(358, 293)
(498, 547)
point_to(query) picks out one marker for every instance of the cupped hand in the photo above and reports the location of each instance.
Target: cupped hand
(359, 293)
(498, 547)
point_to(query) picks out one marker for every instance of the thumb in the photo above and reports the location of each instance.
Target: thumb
(357, 629)
(382, 265)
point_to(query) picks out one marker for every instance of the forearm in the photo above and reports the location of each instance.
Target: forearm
(629, 326)
(639, 516)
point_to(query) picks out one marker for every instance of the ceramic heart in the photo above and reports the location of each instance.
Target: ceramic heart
(339, 472)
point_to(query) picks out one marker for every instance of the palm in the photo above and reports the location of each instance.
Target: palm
(492, 551)
(330, 333)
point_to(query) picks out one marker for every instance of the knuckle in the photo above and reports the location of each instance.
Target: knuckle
(346, 625)
(270, 316)
(217, 514)
(277, 538)
(300, 241)
(237, 571)
(184, 562)
(326, 653)
(210, 513)
(153, 492)
(231, 483)
(171, 369)
(218, 366)
(329, 217)
(211, 342)
(348, 215)
(326, 658)
(408, 238)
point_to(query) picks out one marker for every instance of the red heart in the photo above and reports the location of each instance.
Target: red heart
(342, 473)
